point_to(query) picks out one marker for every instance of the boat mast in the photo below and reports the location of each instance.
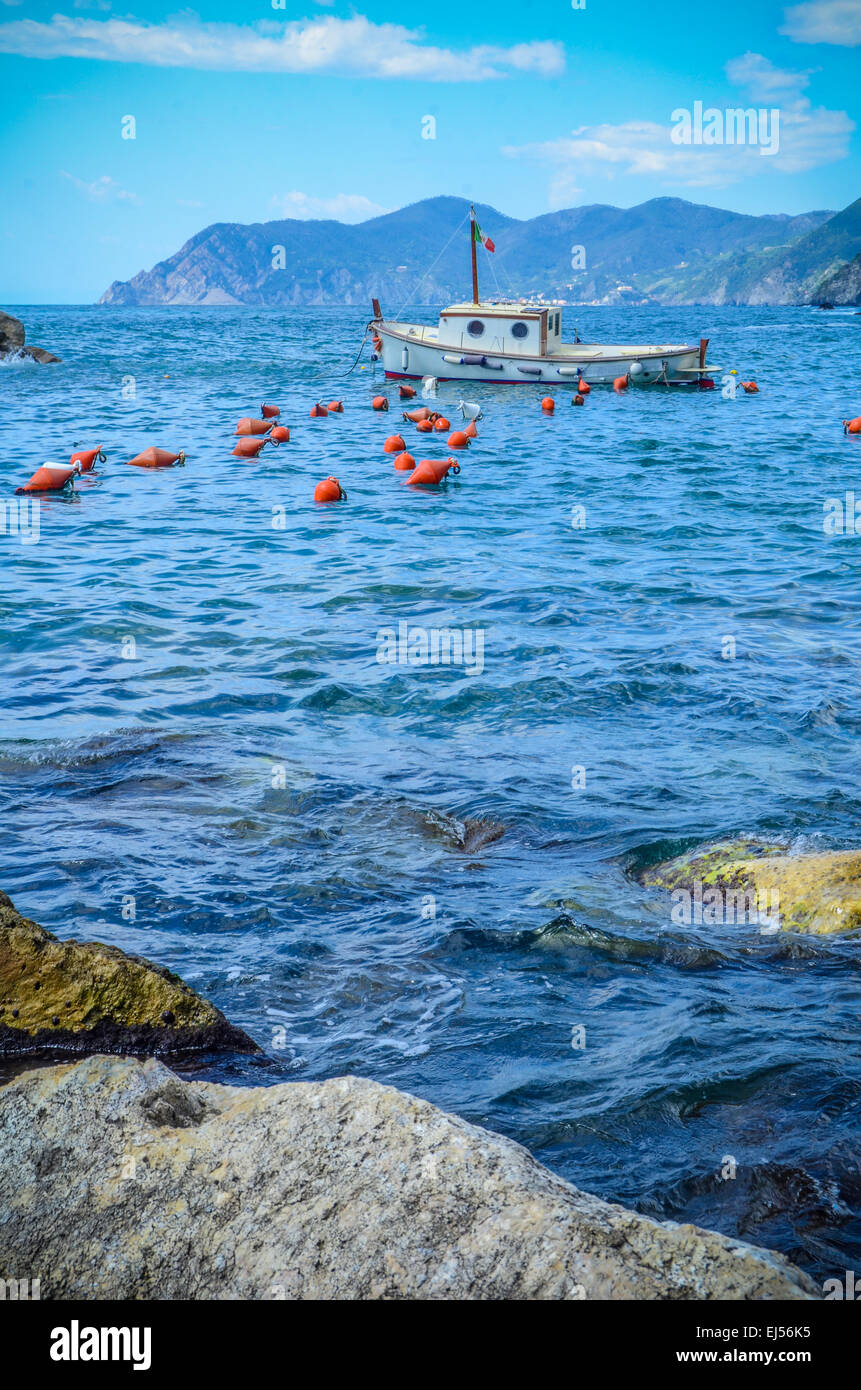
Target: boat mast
(474, 264)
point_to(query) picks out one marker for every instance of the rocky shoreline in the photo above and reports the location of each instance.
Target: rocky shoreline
(121, 1180)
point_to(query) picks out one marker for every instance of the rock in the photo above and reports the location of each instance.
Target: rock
(40, 354)
(814, 893)
(119, 1180)
(12, 335)
(69, 996)
(468, 835)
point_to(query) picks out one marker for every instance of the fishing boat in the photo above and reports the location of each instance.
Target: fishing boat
(521, 341)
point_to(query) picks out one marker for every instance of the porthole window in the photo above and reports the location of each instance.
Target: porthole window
(519, 330)
(475, 328)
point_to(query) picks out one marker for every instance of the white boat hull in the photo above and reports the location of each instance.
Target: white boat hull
(410, 351)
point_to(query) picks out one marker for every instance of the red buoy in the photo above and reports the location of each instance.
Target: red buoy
(620, 383)
(394, 444)
(269, 412)
(404, 461)
(424, 426)
(458, 440)
(852, 426)
(250, 448)
(441, 424)
(317, 411)
(156, 458)
(750, 387)
(419, 412)
(578, 399)
(471, 432)
(583, 387)
(247, 425)
(51, 477)
(380, 403)
(430, 472)
(87, 458)
(406, 392)
(548, 405)
(329, 490)
(280, 434)
(337, 407)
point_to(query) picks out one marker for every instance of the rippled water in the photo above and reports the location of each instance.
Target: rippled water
(283, 813)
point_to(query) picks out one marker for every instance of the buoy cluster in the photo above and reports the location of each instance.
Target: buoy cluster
(56, 477)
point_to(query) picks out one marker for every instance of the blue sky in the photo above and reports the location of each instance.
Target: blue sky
(250, 111)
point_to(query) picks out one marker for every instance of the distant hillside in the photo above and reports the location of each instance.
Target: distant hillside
(842, 286)
(666, 250)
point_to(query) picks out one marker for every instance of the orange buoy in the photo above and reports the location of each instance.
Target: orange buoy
(404, 461)
(377, 341)
(329, 490)
(269, 412)
(250, 448)
(250, 426)
(394, 444)
(471, 432)
(583, 387)
(157, 458)
(424, 426)
(51, 477)
(406, 392)
(337, 407)
(442, 424)
(430, 472)
(548, 405)
(458, 440)
(621, 383)
(419, 412)
(578, 399)
(380, 403)
(852, 426)
(87, 458)
(317, 411)
(750, 387)
(280, 434)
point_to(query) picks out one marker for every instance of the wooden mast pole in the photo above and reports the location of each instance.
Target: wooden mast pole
(474, 263)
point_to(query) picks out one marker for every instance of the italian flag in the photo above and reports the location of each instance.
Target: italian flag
(485, 241)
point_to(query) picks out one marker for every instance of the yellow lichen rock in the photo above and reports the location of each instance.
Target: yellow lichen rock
(814, 893)
(76, 996)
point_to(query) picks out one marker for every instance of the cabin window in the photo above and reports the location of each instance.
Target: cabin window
(475, 328)
(519, 330)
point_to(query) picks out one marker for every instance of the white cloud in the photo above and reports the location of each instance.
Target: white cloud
(343, 207)
(354, 46)
(102, 190)
(808, 137)
(825, 21)
(762, 80)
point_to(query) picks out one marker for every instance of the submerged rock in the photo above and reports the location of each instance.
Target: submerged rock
(12, 337)
(814, 893)
(119, 1180)
(469, 835)
(70, 996)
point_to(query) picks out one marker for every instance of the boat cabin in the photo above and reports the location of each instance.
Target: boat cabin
(519, 328)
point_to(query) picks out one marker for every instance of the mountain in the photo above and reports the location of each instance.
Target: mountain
(842, 286)
(666, 250)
